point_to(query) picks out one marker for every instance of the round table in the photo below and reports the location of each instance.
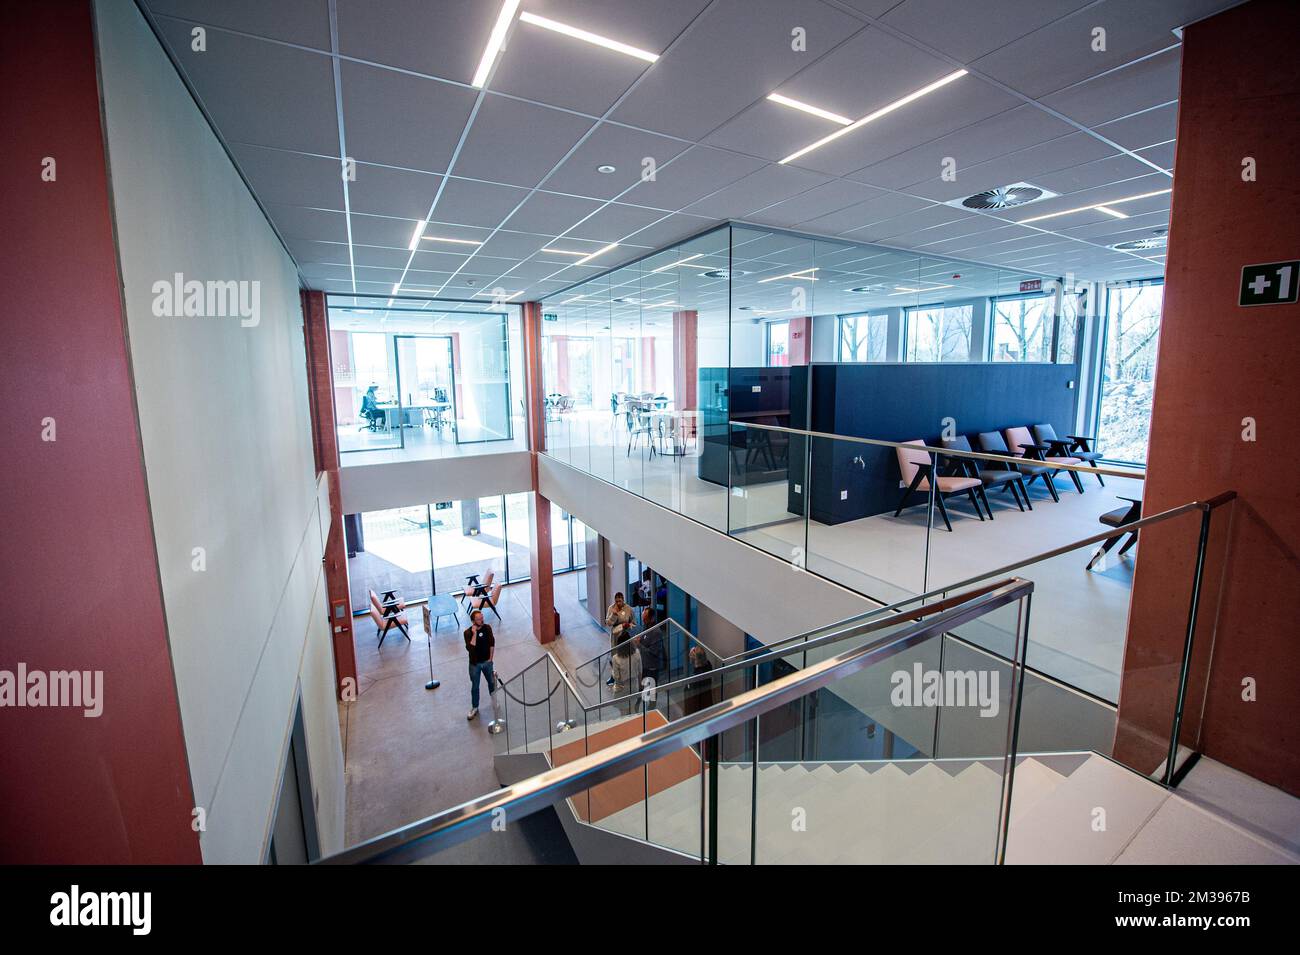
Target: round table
(440, 605)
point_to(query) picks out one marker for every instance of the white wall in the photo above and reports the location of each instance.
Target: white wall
(225, 428)
(758, 593)
(377, 487)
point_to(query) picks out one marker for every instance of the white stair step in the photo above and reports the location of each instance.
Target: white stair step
(1059, 828)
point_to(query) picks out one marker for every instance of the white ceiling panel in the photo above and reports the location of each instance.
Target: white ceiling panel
(292, 178)
(402, 120)
(477, 203)
(610, 145)
(760, 189)
(518, 143)
(1099, 172)
(967, 31)
(692, 176)
(305, 22)
(557, 70)
(547, 212)
(388, 231)
(816, 202)
(293, 89)
(1139, 86)
(297, 222)
(443, 39)
(384, 191)
(738, 51)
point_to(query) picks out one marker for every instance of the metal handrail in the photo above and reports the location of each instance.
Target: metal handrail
(475, 817)
(946, 452)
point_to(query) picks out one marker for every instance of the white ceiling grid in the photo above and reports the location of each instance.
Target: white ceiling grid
(294, 85)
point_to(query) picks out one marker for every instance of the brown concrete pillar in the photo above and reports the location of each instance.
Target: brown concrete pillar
(541, 556)
(1224, 413)
(320, 386)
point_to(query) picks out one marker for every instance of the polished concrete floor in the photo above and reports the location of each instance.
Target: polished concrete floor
(409, 752)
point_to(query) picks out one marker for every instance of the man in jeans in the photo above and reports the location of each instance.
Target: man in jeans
(481, 647)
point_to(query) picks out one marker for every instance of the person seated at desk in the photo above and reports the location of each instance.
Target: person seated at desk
(370, 408)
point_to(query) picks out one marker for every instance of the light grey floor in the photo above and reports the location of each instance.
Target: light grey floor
(1080, 617)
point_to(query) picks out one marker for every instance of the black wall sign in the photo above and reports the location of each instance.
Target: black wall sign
(1273, 283)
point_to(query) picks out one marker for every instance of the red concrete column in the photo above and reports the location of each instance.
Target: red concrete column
(1219, 364)
(320, 381)
(801, 340)
(77, 556)
(541, 562)
(686, 370)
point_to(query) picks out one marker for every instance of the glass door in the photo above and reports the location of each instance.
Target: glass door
(481, 360)
(1132, 334)
(367, 392)
(427, 373)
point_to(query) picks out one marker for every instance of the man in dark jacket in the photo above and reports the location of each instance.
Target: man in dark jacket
(481, 647)
(651, 642)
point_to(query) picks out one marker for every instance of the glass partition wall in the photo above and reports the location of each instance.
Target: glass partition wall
(694, 376)
(424, 378)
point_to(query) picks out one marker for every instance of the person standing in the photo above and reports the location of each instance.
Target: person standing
(619, 620)
(481, 647)
(625, 664)
(651, 642)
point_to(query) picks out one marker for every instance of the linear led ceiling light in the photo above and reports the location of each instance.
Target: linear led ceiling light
(600, 251)
(809, 108)
(876, 115)
(495, 41)
(673, 265)
(564, 252)
(586, 37)
(802, 275)
(415, 236)
(438, 238)
(1100, 207)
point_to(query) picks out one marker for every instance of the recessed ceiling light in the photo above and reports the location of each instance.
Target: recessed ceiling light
(724, 274)
(587, 37)
(415, 236)
(808, 108)
(801, 275)
(1098, 206)
(673, 265)
(564, 252)
(496, 40)
(396, 286)
(606, 169)
(600, 251)
(438, 238)
(1142, 245)
(944, 81)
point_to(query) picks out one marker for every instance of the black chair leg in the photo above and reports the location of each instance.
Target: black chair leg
(983, 496)
(974, 502)
(1074, 476)
(1102, 551)
(1051, 486)
(908, 493)
(1100, 479)
(1024, 492)
(938, 499)
(1011, 485)
(1132, 539)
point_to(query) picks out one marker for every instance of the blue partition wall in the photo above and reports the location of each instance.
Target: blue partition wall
(901, 402)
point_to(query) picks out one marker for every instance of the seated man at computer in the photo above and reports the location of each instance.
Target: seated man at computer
(370, 407)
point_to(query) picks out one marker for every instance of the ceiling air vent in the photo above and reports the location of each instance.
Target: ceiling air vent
(1004, 197)
(1142, 245)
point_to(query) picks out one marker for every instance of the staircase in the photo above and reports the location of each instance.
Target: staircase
(1066, 808)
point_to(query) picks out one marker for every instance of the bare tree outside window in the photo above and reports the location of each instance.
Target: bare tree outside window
(1128, 373)
(939, 333)
(863, 337)
(1022, 328)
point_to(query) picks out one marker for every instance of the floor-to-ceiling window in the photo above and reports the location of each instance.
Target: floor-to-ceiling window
(862, 338)
(1132, 333)
(778, 344)
(435, 548)
(424, 377)
(1022, 327)
(938, 333)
